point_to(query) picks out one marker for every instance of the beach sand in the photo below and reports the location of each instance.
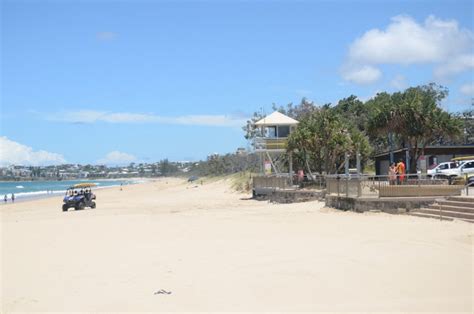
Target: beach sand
(173, 246)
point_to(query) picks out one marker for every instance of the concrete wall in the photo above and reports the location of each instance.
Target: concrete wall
(419, 190)
(288, 196)
(269, 182)
(388, 205)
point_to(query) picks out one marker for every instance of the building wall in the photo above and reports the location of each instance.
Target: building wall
(442, 158)
(384, 164)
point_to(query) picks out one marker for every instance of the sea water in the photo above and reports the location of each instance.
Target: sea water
(34, 189)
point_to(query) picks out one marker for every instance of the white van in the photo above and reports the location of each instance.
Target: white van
(442, 168)
(467, 167)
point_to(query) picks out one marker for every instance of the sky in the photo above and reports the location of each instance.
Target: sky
(113, 82)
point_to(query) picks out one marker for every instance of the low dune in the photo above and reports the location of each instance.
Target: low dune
(169, 245)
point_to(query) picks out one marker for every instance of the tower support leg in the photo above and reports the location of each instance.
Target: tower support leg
(290, 168)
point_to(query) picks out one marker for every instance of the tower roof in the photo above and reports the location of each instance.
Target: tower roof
(276, 118)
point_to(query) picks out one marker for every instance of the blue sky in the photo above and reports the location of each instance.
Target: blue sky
(116, 81)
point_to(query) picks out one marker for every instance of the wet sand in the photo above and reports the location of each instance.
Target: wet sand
(173, 246)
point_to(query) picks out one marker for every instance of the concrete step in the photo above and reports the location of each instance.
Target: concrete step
(456, 203)
(446, 213)
(467, 199)
(418, 214)
(452, 208)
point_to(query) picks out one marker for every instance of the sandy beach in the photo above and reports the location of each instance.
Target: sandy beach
(169, 245)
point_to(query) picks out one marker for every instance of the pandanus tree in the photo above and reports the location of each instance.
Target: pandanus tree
(322, 138)
(416, 118)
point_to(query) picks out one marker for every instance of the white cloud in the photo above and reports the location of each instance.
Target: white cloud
(106, 36)
(208, 120)
(123, 117)
(81, 116)
(404, 41)
(362, 75)
(18, 154)
(117, 158)
(303, 92)
(455, 66)
(91, 116)
(467, 89)
(399, 82)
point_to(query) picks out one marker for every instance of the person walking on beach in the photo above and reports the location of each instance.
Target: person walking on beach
(401, 171)
(13, 198)
(5, 198)
(392, 174)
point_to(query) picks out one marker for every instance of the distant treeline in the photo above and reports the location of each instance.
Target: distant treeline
(226, 164)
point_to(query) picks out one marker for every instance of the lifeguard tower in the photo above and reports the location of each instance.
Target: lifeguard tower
(271, 141)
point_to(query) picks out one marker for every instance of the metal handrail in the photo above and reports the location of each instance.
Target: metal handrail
(384, 185)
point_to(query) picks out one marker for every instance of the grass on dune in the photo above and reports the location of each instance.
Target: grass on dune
(240, 181)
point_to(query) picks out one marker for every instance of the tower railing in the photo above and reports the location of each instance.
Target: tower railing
(269, 143)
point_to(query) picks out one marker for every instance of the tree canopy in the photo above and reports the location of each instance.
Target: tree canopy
(413, 119)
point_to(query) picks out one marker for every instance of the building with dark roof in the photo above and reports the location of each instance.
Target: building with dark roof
(433, 155)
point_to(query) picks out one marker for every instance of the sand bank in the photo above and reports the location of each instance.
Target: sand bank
(173, 246)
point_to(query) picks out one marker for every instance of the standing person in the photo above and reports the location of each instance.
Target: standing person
(401, 171)
(13, 198)
(392, 174)
(5, 198)
(300, 175)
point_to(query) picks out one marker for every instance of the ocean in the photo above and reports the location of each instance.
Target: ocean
(36, 189)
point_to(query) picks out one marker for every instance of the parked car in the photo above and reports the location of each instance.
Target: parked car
(465, 168)
(441, 168)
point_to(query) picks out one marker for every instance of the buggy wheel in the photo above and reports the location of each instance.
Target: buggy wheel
(80, 206)
(65, 208)
(93, 205)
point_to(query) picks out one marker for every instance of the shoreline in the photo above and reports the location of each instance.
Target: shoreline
(29, 199)
(26, 197)
(83, 179)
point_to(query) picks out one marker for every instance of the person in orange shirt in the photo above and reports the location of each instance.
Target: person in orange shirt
(401, 171)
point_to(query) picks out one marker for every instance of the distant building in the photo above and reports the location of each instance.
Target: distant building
(241, 151)
(83, 174)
